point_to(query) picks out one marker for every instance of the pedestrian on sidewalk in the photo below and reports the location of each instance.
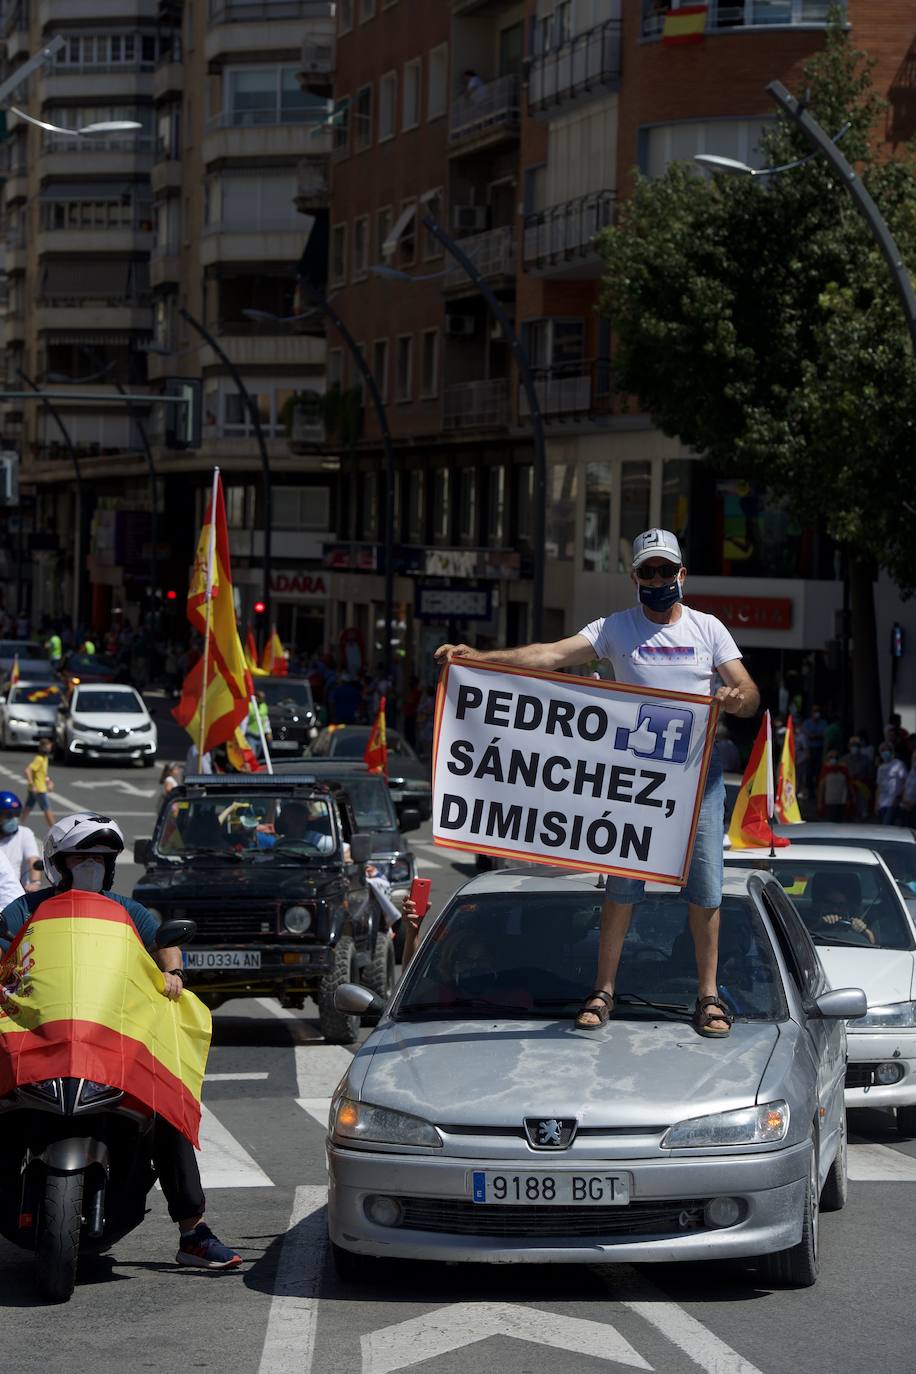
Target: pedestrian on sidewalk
(891, 782)
(40, 784)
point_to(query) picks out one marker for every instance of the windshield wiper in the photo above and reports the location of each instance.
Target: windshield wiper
(821, 939)
(232, 854)
(676, 1010)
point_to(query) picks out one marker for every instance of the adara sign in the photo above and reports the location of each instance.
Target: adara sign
(304, 584)
(574, 772)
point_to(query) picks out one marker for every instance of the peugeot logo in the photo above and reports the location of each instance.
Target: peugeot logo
(550, 1132)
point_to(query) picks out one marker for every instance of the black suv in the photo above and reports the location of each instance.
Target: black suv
(272, 869)
(291, 712)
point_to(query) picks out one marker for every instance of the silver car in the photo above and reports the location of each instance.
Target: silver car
(28, 711)
(105, 721)
(477, 1123)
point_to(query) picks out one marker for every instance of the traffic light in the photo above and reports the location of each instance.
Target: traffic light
(183, 420)
(171, 594)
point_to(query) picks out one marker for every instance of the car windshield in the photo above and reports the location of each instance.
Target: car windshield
(533, 954)
(841, 903)
(371, 802)
(118, 702)
(295, 694)
(899, 855)
(350, 743)
(36, 694)
(254, 824)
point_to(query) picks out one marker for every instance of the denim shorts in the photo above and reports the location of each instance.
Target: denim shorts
(39, 799)
(704, 880)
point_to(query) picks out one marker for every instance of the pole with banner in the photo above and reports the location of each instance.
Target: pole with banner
(211, 559)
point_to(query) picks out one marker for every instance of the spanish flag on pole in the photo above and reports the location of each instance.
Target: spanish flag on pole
(81, 998)
(752, 819)
(685, 24)
(214, 695)
(375, 756)
(786, 796)
(14, 671)
(251, 655)
(274, 660)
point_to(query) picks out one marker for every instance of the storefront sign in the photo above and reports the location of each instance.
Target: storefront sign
(453, 603)
(746, 612)
(351, 557)
(451, 563)
(569, 771)
(496, 565)
(307, 586)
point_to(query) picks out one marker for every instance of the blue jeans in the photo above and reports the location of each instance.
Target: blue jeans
(704, 880)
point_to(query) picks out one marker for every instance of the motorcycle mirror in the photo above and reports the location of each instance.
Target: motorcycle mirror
(175, 932)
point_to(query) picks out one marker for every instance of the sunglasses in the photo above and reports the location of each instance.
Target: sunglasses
(647, 571)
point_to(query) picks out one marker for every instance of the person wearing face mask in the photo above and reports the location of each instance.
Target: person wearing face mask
(661, 643)
(79, 855)
(18, 844)
(890, 784)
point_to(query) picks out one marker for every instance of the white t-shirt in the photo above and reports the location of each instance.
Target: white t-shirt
(681, 657)
(10, 886)
(19, 850)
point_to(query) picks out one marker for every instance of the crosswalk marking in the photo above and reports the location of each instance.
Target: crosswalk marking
(224, 1162)
(880, 1164)
(319, 1068)
(318, 1108)
(234, 1077)
(289, 1342)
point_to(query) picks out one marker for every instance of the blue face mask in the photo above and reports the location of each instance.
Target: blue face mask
(660, 598)
(9, 827)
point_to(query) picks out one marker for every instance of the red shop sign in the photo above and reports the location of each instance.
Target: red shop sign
(747, 612)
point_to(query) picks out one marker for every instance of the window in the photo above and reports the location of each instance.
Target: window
(405, 367)
(366, 10)
(384, 221)
(429, 363)
(467, 506)
(441, 502)
(359, 379)
(341, 122)
(596, 535)
(345, 16)
(387, 106)
(269, 95)
(301, 508)
(338, 254)
(380, 366)
(437, 82)
(432, 204)
(524, 502)
(413, 79)
(233, 416)
(369, 523)
(635, 492)
(666, 143)
(416, 505)
(496, 507)
(361, 248)
(408, 239)
(562, 487)
(362, 118)
(249, 201)
(334, 372)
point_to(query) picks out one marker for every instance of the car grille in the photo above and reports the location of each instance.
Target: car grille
(225, 922)
(860, 1075)
(471, 1219)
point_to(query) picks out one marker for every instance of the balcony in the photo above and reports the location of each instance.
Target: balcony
(15, 184)
(477, 405)
(313, 185)
(725, 17)
(113, 83)
(168, 80)
(250, 28)
(586, 66)
(227, 137)
(268, 242)
(307, 428)
(165, 175)
(493, 254)
(245, 348)
(570, 392)
(486, 115)
(560, 241)
(15, 254)
(115, 315)
(67, 242)
(319, 59)
(165, 267)
(72, 12)
(13, 328)
(96, 157)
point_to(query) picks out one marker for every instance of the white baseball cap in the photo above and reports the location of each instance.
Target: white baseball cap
(656, 544)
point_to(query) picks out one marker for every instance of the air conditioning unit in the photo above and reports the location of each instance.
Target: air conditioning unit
(460, 325)
(469, 219)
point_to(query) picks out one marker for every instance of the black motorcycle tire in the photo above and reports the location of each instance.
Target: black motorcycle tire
(57, 1240)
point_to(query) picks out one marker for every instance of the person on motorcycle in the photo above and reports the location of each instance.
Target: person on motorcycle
(80, 852)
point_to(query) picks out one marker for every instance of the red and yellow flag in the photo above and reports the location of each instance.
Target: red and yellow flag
(225, 694)
(81, 998)
(375, 756)
(752, 819)
(687, 24)
(14, 671)
(240, 754)
(274, 660)
(786, 796)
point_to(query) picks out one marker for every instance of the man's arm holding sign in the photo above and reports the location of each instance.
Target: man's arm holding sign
(548, 658)
(739, 696)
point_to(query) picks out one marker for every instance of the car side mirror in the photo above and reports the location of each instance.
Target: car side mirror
(141, 851)
(841, 1004)
(361, 848)
(175, 932)
(409, 819)
(354, 1000)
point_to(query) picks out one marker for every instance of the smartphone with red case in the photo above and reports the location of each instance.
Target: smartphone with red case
(419, 894)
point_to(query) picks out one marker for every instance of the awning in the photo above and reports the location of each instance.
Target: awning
(399, 228)
(105, 279)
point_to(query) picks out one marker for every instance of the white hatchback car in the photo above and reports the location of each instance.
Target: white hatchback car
(103, 721)
(864, 932)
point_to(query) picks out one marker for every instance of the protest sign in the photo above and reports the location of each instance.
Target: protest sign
(575, 772)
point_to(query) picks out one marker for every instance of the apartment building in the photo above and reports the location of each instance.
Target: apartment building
(564, 99)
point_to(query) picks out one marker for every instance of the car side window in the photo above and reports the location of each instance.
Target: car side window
(793, 935)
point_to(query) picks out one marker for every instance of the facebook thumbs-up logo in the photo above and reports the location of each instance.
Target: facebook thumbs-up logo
(661, 733)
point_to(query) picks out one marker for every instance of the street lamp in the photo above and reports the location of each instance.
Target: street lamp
(322, 306)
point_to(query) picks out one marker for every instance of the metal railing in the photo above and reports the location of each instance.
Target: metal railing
(139, 301)
(492, 105)
(589, 61)
(88, 143)
(244, 11)
(570, 391)
(477, 405)
(742, 14)
(66, 68)
(565, 232)
(266, 116)
(493, 254)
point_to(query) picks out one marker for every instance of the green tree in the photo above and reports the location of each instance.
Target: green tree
(756, 320)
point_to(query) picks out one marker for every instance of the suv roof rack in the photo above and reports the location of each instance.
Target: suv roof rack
(218, 780)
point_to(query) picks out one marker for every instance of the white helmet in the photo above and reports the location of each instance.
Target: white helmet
(86, 832)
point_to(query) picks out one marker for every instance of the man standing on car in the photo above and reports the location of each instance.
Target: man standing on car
(661, 643)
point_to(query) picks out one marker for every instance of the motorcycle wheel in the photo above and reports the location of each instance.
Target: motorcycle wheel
(57, 1241)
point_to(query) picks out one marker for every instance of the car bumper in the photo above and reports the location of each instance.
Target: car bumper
(285, 967)
(27, 734)
(771, 1187)
(868, 1049)
(111, 748)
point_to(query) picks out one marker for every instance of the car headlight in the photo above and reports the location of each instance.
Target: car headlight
(399, 871)
(352, 1120)
(18, 720)
(895, 1014)
(297, 919)
(142, 729)
(81, 725)
(761, 1125)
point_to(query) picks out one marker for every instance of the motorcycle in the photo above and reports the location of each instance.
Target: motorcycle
(75, 1165)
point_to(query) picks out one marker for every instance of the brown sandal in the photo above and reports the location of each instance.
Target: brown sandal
(702, 1018)
(602, 1013)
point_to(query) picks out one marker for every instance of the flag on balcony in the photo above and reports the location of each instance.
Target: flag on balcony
(376, 754)
(685, 25)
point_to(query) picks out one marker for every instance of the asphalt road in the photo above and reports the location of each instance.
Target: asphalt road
(269, 1080)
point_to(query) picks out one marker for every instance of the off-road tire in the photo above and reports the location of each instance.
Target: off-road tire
(353, 1268)
(906, 1122)
(337, 1026)
(797, 1267)
(379, 973)
(836, 1187)
(57, 1238)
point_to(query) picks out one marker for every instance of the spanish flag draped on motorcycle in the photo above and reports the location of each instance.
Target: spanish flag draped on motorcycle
(81, 998)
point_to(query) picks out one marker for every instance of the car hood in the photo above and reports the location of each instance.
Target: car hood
(494, 1073)
(109, 720)
(217, 880)
(884, 975)
(43, 714)
(406, 770)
